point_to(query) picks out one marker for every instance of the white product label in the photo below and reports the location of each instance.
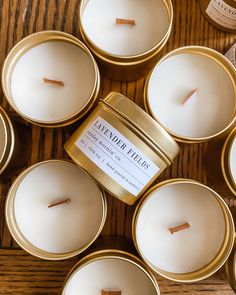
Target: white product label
(230, 54)
(222, 13)
(116, 156)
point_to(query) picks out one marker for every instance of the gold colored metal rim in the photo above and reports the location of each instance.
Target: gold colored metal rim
(27, 43)
(19, 237)
(126, 59)
(230, 268)
(225, 161)
(10, 141)
(112, 254)
(220, 258)
(216, 57)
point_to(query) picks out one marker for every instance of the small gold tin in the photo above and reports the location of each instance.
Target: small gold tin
(112, 254)
(26, 44)
(225, 161)
(220, 13)
(126, 68)
(220, 60)
(212, 266)
(122, 147)
(20, 238)
(230, 268)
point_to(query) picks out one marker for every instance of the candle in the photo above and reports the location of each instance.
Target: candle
(110, 272)
(231, 54)
(54, 81)
(203, 227)
(191, 83)
(54, 210)
(122, 147)
(124, 34)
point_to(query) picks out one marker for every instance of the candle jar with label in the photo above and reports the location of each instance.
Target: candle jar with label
(183, 230)
(110, 272)
(231, 54)
(220, 13)
(122, 147)
(15, 143)
(54, 210)
(51, 79)
(198, 104)
(126, 37)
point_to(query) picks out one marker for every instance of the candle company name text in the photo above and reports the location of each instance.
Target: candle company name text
(226, 8)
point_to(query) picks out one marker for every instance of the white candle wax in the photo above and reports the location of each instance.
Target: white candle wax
(232, 160)
(63, 228)
(187, 250)
(99, 24)
(56, 60)
(207, 112)
(109, 273)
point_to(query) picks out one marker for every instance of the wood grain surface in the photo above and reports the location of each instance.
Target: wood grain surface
(21, 273)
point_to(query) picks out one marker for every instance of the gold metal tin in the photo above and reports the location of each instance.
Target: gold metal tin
(204, 4)
(221, 257)
(220, 60)
(112, 254)
(23, 46)
(225, 161)
(9, 144)
(230, 268)
(126, 68)
(139, 128)
(19, 237)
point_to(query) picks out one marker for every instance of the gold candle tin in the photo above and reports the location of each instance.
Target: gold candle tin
(230, 268)
(21, 239)
(122, 147)
(112, 254)
(212, 266)
(126, 68)
(220, 13)
(226, 163)
(26, 44)
(223, 62)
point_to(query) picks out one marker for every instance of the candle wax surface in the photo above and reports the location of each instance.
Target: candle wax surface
(232, 160)
(207, 112)
(187, 250)
(109, 273)
(99, 24)
(56, 60)
(62, 228)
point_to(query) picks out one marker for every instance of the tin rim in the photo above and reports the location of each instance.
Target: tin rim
(19, 237)
(26, 44)
(225, 161)
(9, 140)
(126, 59)
(221, 256)
(230, 268)
(217, 57)
(112, 254)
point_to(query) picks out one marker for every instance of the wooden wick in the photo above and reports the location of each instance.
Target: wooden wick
(124, 21)
(191, 95)
(179, 228)
(110, 292)
(66, 201)
(56, 82)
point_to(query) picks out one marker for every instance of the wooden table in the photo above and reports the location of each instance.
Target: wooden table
(21, 273)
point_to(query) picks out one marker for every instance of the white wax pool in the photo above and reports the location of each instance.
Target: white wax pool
(56, 60)
(62, 228)
(187, 250)
(232, 160)
(99, 24)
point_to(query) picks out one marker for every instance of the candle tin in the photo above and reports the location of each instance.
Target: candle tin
(231, 54)
(223, 62)
(226, 163)
(221, 256)
(26, 44)
(20, 238)
(112, 254)
(130, 67)
(122, 147)
(220, 13)
(230, 269)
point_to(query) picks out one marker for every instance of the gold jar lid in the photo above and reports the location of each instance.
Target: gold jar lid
(230, 268)
(151, 131)
(7, 142)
